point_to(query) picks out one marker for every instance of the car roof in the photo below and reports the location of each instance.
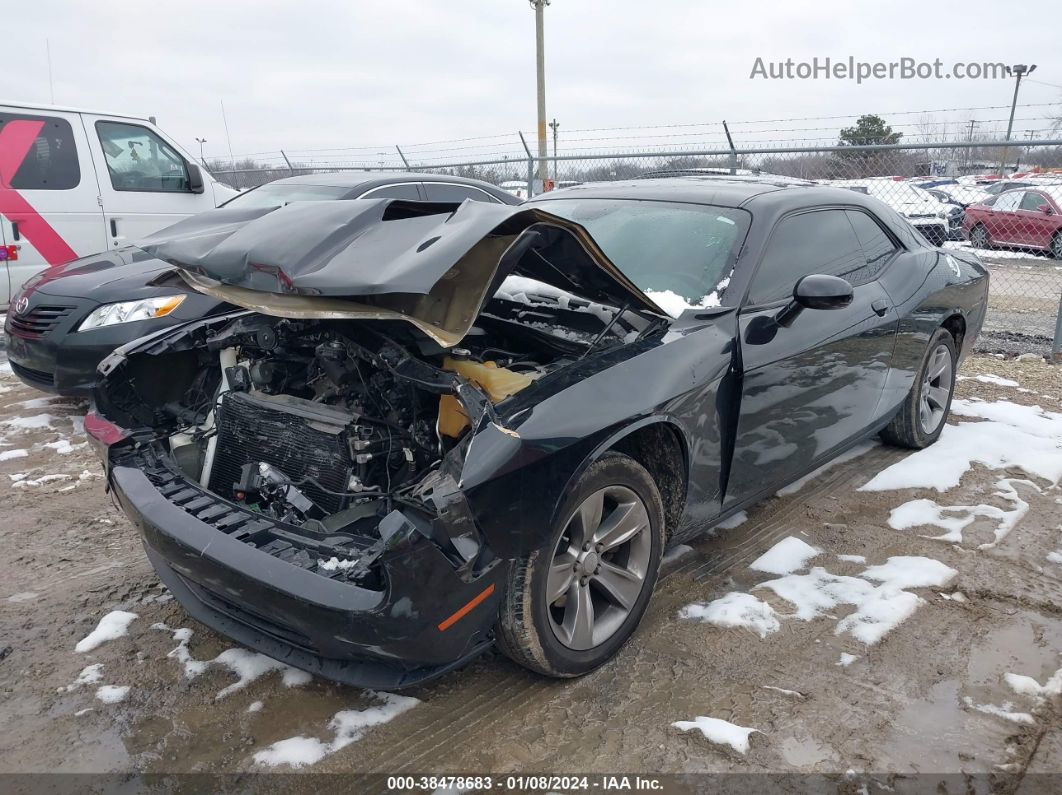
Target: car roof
(722, 191)
(368, 179)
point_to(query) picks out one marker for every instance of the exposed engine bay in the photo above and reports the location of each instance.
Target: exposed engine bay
(326, 426)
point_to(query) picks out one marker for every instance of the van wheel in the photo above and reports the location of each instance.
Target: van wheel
(925, 409)
(571, 604)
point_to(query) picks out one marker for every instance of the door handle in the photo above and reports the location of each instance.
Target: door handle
(114, 227)
(14, 231)
(880, 307)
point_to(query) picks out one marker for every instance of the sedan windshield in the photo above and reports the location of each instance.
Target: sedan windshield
(279, 194)
(680, 255)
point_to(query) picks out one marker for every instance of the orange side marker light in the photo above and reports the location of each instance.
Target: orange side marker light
(463, 611)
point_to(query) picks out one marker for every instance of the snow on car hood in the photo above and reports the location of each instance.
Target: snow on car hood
(434, 265)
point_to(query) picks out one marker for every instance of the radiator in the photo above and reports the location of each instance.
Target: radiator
(299, 437)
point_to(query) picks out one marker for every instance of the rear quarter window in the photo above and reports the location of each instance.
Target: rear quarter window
(43, 149)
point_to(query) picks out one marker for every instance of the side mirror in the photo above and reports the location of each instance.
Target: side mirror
(817, 291)
(1046, 209)
(195, 178)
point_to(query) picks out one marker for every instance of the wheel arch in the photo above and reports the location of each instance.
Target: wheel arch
(955, 323)
(660, 445)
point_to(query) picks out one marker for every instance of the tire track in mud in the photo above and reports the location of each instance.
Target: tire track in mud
(460, 721)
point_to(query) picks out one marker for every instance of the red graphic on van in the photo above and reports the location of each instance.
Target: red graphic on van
(16, 138)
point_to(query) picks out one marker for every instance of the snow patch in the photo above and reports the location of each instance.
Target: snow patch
(731, 522)
(90, 675)
(720, 732)
(1012, 435)
(878, 608)
(348, 726)
(1027, 686)
(335, 564)
(847, 659)
(736, 609)
(1005, 710)
(920, 513)
(246, 665)
(675, 553)
(674, 304)
(113, 625)
(7, 455)
(995, 379)
(112, 694)
(255, 706)
(35, 422)
(852, 558)
(22, 596)
(788, 555)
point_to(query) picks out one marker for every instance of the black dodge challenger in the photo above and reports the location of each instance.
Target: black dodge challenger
(434, 427)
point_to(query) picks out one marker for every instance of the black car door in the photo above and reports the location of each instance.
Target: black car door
(809, 388)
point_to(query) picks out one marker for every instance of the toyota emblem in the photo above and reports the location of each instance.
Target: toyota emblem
(21, 305)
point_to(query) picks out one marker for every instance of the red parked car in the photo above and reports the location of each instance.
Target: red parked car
(1029, 217)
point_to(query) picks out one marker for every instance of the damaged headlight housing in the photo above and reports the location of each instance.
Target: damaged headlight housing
(128, 311)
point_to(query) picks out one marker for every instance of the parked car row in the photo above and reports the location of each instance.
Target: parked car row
(935, 220)
(1028, 217)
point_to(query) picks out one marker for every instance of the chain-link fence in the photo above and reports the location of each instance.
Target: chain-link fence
(1001, 199)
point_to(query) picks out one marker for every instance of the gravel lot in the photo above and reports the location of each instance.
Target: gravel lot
(931, 696)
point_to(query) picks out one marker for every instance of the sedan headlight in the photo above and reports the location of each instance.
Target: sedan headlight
(128, 311)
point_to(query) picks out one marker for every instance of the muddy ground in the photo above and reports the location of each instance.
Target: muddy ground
(908, 704)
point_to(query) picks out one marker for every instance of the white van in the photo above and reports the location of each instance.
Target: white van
(74, 182)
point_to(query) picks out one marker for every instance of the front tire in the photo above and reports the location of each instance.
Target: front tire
(925, 409)
(571, 604)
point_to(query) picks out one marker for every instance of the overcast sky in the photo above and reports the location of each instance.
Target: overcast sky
(335, 73)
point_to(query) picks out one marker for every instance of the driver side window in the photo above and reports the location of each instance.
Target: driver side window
(821, 241)
(138, 160)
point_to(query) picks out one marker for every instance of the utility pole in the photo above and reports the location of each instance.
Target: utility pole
(1029, 135)
(202, 159)
(554, 126)
(540, 58)
(969, 150)
(1019, 70)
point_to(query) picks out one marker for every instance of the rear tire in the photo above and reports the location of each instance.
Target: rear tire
(924, 412)
(979, 237)
(587, 569)
(1056, 246)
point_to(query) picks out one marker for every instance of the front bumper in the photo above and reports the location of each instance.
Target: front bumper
(203, 549)
(53, 356)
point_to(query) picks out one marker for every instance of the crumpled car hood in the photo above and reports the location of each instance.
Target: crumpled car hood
(434, 265)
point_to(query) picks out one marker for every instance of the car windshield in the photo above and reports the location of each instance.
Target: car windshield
(278, 194)
(680, 255)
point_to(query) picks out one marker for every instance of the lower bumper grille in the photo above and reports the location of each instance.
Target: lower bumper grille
(35, 377)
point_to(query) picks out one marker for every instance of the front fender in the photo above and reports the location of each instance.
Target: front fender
(515, 473)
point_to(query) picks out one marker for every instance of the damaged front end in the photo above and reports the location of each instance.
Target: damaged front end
(297, 475)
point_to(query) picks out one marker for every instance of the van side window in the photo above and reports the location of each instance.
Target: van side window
(44, 153)
(138, 160)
